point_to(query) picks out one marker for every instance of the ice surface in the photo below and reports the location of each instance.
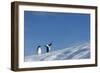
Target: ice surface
(81, 51)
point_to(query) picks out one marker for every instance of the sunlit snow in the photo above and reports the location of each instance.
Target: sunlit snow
(81, 51)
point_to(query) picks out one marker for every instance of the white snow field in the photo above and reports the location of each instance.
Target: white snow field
(81, 51)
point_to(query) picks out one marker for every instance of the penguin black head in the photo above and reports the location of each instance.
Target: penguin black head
(39, 46)
(50, 44)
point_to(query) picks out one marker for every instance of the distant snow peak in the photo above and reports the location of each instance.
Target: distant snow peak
(81, 51)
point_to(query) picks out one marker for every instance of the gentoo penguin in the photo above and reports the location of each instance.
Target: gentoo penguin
(39, 50)
(48, 47)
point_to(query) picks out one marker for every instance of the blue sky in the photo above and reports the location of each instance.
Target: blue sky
(62, 29)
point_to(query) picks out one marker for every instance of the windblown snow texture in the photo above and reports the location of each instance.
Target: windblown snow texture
(81, 51)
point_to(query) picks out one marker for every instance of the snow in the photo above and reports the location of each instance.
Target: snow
(81, 51)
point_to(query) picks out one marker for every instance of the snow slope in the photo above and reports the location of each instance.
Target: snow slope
(81, 51)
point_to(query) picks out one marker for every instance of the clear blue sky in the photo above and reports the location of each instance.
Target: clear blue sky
(62, 29)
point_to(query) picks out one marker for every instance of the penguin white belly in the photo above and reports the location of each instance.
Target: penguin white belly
(39, 51)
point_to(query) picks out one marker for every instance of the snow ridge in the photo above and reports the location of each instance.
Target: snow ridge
(81, 51)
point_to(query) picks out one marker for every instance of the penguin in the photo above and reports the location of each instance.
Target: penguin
(48, 47)
(39, 50)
